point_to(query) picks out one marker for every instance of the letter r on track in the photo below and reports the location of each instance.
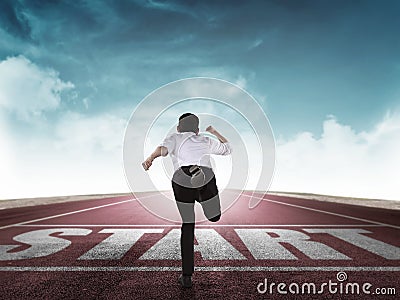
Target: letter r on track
(263, 246)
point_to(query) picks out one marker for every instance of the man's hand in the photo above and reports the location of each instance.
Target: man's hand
(219, 136)
(147, 163)
(211, 129)
(160, 151)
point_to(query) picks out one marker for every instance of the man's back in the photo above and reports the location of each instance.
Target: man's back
(189, 148)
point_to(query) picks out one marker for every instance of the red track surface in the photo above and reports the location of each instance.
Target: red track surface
(62, 274)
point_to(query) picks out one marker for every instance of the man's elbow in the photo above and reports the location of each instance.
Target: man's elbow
(163, 151)
(228, 149)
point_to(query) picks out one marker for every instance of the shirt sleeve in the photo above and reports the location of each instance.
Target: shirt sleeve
(169, 142)
(216, 147)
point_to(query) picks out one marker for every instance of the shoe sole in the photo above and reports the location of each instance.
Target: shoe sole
(182, 285)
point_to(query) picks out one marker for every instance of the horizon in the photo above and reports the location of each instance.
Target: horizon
(163, 191)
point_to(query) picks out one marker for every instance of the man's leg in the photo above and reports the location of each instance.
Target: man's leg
(187, 248)
(186, 211)
(185, 198)
(209, 200)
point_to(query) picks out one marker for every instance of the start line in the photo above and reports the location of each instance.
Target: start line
(262, 243)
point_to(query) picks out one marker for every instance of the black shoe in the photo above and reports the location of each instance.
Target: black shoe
(185, 281)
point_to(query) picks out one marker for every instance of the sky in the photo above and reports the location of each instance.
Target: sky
(326, 74)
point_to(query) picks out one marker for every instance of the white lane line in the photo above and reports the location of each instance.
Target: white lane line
(205, 269)
(77, 211)
(212, 226)
(66, 214)
(332, 213)
(265, 199)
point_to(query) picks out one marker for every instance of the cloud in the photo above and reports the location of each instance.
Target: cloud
(169, 6)
(13, 20)
(241, 82)
(63, 153)
(90, 134)
(83, 155)
(256, 43)
(28, 90)
(6, 157)
(342, 161)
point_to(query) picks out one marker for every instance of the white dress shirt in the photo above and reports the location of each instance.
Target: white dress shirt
(188, 148)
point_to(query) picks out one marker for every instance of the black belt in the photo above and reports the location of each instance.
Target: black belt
(196, 173)
(193, 169)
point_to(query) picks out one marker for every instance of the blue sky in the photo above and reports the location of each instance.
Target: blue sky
(303, 61)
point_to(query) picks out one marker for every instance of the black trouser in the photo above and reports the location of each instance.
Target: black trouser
(185, 197)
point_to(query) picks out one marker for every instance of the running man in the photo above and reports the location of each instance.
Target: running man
(193, 180)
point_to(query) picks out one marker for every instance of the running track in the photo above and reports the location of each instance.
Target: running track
(113, 248)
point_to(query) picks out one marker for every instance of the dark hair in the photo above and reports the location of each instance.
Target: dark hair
(188, 122)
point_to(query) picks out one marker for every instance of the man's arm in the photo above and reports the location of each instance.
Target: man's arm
(159, 151)
(219, 136)
(220, 147)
